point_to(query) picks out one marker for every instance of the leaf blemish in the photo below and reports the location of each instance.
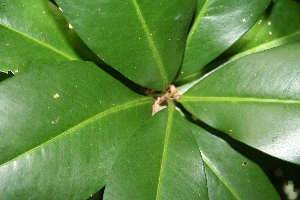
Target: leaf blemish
(177, 17)
(55, 121)
(56, 96)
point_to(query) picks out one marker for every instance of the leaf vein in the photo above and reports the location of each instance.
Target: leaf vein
(238, 99)
(219, 176)
(197, 22)
(40, 42)
(268, 45)
(166, 141)
(151, 44)
(78, 126)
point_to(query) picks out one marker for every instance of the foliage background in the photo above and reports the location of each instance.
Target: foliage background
(269, 164)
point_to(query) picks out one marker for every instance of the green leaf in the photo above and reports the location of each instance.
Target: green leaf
(60, 131)
(160, 161)
(277, 26)
(229, 174)
(217, 25)
(254, 99)
(274, 28)
(144, 40)
(33, 33)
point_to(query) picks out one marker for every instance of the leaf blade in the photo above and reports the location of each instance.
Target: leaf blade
(271, 30)
(36, 35)
(217, 25)
(152, 45)
(247, 95)
(229, 173)
(162, 161)
(62, 136)
(150, 49)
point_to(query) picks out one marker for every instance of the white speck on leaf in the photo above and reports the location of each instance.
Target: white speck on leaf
(178, 16)
(56, 96)
(55, 121)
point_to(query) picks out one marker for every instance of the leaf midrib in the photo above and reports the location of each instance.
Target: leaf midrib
(197, 22)
(265, 46)
(219, 176)
(166, 142)
(82, 124)
(40, 42)
(237, 99)
(152, 45)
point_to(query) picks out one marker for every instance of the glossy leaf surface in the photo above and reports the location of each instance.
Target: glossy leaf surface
(254, 99)
(273, 28)
(60, 131)
(144, 40)
(277, 26)
(160, 161)
(217, 25)
(229, 174)
(33, 33)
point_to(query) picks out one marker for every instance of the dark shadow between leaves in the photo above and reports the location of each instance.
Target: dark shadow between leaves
(125, 81)
(98, 195)
(84, 52)
(4, 75)
(200, 73)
